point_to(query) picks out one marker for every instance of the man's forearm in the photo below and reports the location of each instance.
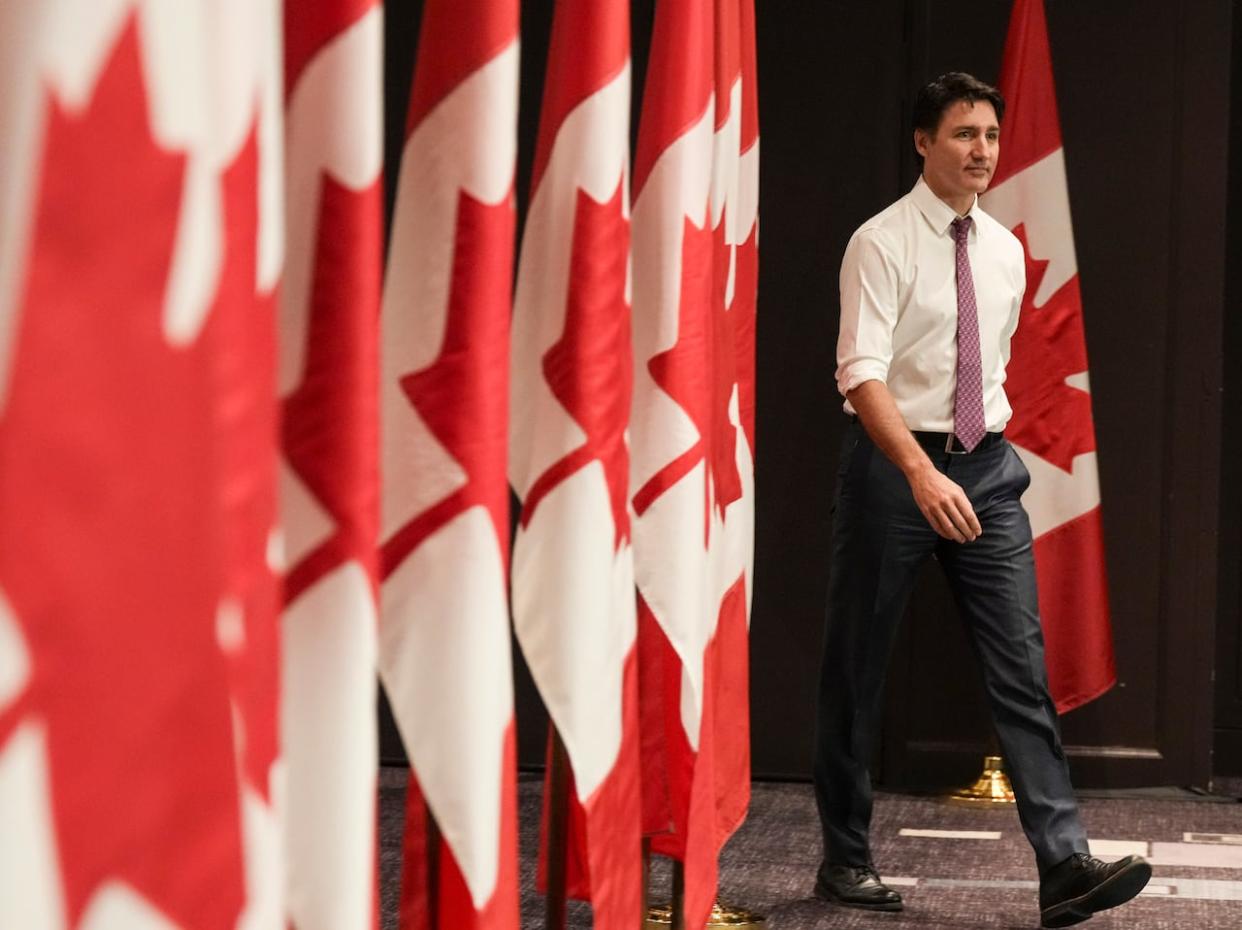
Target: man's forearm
(884, 424)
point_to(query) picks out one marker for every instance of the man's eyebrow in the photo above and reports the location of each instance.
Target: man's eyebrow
(972, 127)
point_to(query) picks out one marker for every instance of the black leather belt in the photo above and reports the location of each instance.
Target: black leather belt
(947, 442)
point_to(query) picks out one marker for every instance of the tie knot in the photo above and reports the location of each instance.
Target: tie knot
(961, 227)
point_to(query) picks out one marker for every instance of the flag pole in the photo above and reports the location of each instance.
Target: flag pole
(432, 833)
(661, 916)
(673, 914)
(646, 877)
(679, 895)
(558, 834)
(992, 788)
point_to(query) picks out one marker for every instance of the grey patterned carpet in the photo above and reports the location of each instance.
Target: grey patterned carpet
(949, 883)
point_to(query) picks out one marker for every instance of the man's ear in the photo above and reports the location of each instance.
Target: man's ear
(921, 141)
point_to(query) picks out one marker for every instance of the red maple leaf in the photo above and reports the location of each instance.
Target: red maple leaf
(1050, 418)
(111, 555)
(589, 368)
(329, 429)
(462, 396)
(699, 372)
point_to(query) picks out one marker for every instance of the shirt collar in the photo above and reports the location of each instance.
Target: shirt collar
(938, 213)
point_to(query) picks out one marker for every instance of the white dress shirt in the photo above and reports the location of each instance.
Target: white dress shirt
(899, 308)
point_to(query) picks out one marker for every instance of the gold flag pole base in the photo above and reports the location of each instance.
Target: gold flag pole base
(661, 916)
(990, 789)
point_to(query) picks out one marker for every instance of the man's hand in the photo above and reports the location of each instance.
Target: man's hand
(945, 505)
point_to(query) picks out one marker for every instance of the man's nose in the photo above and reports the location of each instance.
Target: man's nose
(979, 151)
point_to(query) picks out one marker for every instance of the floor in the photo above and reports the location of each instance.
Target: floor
(958, 869)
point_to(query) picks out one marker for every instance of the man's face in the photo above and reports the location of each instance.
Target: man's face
(959, 158)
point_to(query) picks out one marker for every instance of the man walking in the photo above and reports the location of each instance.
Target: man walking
(930, 295)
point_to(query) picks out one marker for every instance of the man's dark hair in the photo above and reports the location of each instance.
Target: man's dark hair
(948, 89)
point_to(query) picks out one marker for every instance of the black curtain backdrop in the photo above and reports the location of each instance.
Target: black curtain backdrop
(1144, 90)
(1227, 742)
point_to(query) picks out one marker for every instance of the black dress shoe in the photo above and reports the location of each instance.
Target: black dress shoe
(1073, 890)
(855, 886)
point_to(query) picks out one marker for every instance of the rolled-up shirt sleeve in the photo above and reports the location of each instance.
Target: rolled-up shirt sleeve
(1017, 270)
(869, 295)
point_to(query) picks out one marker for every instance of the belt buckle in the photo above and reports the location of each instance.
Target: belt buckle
(948, 446)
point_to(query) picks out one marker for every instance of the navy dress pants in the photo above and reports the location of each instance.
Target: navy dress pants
(880, 539)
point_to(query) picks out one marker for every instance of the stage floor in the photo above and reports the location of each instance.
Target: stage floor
(958, 869)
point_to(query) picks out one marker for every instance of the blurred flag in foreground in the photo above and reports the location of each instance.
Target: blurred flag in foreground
(140, 251)
(573, 579)
(445, 625)
(694, 298)
(329, 502)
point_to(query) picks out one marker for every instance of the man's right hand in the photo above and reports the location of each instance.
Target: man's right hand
(945, 505)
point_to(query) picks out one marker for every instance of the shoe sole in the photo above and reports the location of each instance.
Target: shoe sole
(1119, 889)
(825, 894)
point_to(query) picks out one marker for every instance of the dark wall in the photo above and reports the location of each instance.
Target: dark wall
(832, 87)
(1228, 721)
(1145, 124)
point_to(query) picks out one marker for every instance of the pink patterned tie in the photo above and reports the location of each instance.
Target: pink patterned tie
(968, 422)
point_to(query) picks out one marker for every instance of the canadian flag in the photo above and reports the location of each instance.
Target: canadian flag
(694, 298)
(328, 384)
(573, 579)
(141, 246)
(1052, 426)
(444, 632)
